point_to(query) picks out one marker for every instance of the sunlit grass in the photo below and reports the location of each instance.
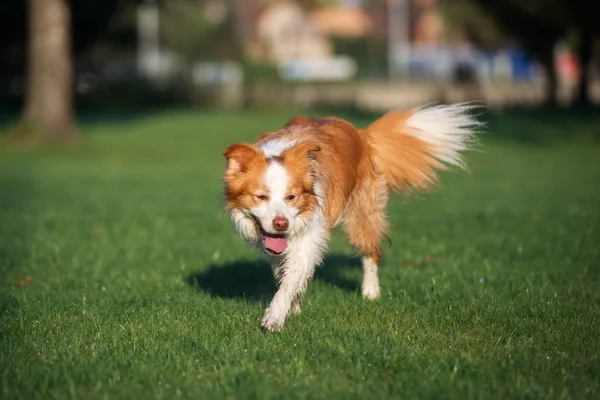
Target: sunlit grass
(139, 287)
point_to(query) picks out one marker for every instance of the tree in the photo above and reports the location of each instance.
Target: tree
(90, 22)
(583, 17)
(467, 19)
(42, 37)
(49, 98)
(534, 24)
(538, 25)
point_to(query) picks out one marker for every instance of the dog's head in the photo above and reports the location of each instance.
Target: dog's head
(273, 187)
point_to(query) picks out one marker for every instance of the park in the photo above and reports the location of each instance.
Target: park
(122, 276)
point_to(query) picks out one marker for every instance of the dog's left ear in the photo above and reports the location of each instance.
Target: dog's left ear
(304, 149)
(312, 153)
(237, 156)
(310, 149)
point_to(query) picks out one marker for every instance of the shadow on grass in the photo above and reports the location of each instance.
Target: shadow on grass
(253, 280)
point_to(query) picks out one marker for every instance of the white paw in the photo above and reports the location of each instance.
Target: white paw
(272, 322)
(371, 292)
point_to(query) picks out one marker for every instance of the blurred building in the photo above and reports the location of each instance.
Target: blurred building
(345, 51)
(284, 31)
(280, 31)
(427, 24)
(420, 43)
(300, 41)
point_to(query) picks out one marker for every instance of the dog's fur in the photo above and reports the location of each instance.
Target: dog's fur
(289, 188)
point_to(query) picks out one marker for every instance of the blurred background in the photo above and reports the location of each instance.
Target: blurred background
(370, 55)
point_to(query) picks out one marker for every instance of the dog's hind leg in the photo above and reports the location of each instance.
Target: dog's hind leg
(365, 225)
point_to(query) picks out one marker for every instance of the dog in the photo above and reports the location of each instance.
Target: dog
(288, 189)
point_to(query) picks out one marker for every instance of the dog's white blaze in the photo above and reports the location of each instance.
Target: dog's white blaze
(449, 129)
(277, 181)
(275, 147)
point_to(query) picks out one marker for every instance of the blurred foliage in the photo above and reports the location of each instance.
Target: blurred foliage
(539, 25)
(260, 72)
(120, 36)
(90, 20)
(369, 52)
(468, 18)
(200, 30)
(132, 94)
(532, 23)
(312, 4)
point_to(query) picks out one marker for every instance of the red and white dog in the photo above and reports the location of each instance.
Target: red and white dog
(289, 188)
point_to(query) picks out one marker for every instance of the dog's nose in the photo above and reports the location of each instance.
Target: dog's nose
(280, 223)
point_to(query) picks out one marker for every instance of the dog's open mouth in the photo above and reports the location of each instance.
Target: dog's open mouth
(274, 244)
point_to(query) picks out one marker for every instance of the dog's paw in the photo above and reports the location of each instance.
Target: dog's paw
(272, 322)
(371, 292)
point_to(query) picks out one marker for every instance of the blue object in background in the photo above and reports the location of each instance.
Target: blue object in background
(522, 65)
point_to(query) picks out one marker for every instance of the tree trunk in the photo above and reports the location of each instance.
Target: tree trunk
(551, 91)
(584, 53)
(49, 101)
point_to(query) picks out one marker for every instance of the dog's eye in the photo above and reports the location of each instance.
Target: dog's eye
(262, 197)
(291, 197)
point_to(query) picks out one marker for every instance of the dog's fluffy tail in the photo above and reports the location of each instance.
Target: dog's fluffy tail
(409, 145)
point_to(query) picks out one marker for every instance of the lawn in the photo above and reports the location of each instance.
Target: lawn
(122, 278)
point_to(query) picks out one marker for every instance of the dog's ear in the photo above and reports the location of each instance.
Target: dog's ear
(303, 149)
(237, 156)
(312, 152)
(309, 149)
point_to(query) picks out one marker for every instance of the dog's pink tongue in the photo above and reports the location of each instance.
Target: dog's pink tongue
(275, 244)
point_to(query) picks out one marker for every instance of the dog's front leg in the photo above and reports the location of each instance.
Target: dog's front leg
(293, 273)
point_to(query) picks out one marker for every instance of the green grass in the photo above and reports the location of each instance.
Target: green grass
(140, 288)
